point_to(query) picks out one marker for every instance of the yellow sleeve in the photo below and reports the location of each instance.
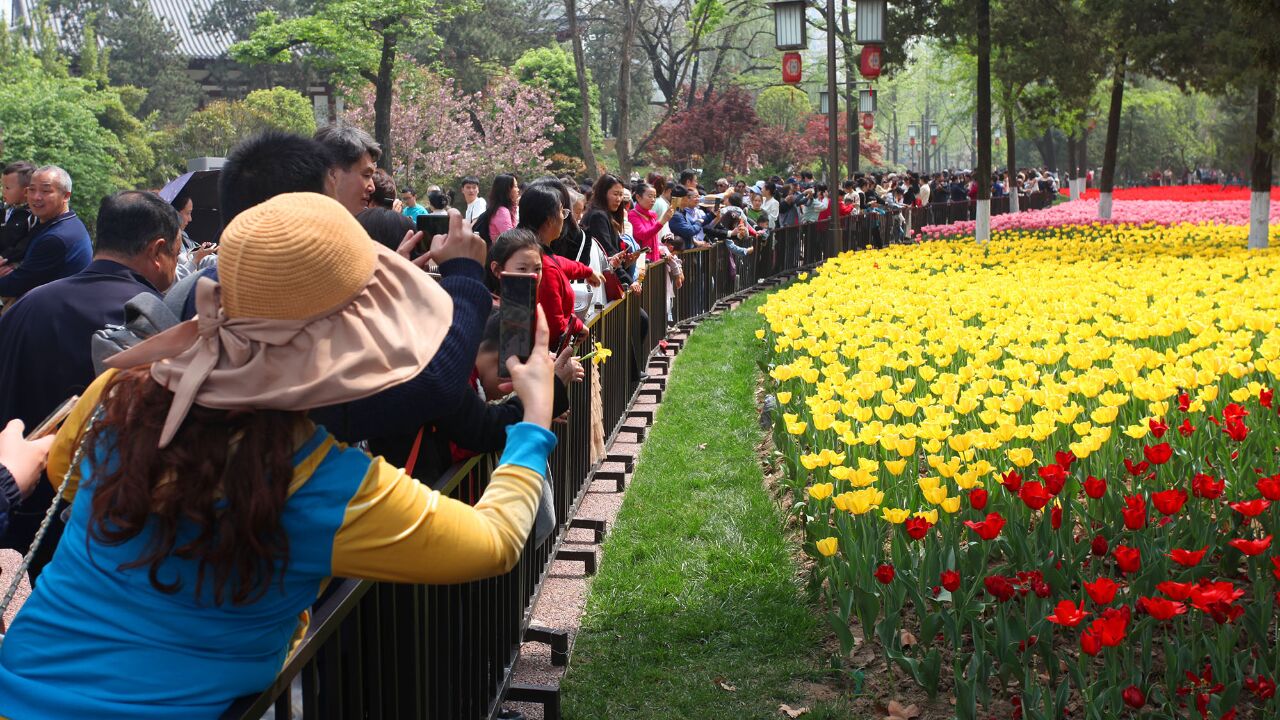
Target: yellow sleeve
(69, 435)
(398, 529)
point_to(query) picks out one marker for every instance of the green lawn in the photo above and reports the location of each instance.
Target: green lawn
(697, 581)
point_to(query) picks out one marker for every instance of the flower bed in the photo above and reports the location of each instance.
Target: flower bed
(1132, 212)
(1177, 193)
(1051, 458)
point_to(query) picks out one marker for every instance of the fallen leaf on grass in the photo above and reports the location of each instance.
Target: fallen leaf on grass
(703, 446)
(723, 684)
(897, 711)
(792, 712)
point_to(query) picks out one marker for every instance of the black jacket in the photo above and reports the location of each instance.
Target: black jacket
(15, 233)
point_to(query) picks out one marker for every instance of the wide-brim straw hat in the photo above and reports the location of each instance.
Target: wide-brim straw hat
(309, 312)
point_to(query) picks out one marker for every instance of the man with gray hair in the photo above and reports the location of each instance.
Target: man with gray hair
(59, 246)
(355, 158)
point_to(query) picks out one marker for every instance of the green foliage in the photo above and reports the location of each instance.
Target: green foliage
(551, 68)
(346, 37)
(696, 582)
(216, 129)
(783, 106)
(143, 53)
(487, 39)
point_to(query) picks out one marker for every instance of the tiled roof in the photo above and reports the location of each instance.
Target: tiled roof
(182, 16)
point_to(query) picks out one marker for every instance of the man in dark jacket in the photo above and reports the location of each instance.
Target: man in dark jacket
(59, 245)
(45, 337)
(15, 230)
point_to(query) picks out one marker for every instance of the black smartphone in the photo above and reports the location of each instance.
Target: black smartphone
(430, 226)
(518, 317)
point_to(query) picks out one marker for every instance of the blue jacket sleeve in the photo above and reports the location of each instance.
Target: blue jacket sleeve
(682, 227)
(440, 388)
(40, 266)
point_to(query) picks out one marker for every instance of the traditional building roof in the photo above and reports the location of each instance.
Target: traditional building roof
(182, 16)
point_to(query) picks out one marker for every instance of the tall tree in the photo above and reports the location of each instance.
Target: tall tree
(580, 67)
(1113, 136)
(552, 69)
(983, 171)
(630, 9)
(356, 40)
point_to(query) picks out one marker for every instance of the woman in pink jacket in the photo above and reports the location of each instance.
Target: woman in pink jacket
(645, 224)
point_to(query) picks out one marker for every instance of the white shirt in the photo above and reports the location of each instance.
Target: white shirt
(770, 208)
(476, 208)
(924, 193)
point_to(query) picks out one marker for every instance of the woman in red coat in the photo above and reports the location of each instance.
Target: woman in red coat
(542, 214)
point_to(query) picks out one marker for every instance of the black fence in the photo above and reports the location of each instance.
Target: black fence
(387, 650)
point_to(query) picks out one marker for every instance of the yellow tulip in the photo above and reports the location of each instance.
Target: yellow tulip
(897, 516)
(784, 398)
(951, 505)
(935, 495)
(895, 467)
(930, 515)
(1021, 457)
(828, 546)
(821, 491)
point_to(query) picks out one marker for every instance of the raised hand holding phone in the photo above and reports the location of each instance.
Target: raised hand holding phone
(458, 242)
(24, 459)
(532, 379)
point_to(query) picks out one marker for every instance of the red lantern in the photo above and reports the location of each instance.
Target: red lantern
(870, 65)
(912, 142)
(933, 140)
(868, 121)
(791, 68)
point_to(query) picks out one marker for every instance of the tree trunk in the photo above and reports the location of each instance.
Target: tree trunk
(1260, 165)
(833, 128)
(1084, 155)
(1011, 158)
(1048, 150)
(382, 90)
(580, 65)
(629, 11)
(982, 231)
(1113, 139)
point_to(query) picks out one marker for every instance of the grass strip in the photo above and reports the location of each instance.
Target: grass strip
(697, 589)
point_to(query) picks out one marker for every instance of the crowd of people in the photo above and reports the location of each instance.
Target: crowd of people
(233, 395)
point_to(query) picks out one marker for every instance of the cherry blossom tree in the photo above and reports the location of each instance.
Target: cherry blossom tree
(441, 133)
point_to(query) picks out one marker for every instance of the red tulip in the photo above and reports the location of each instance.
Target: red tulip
(1188, 558)
(1067, 614)
(1186, 428)
(1206, 594)
(1095, 487)
(1000, 587)
(1168, 502)
(1055, 517)
(1204, 486)
(1252, 508)
(1098, 546)
(1011, 481)
(951, 580)
(1184, 402)
(1262, 687)
(1128, 559)
(1270, 487)
(1133, 697)
(917, 527)
(1064, 459)
(1157, 454)
(989, 528)
(1176, 590)
(1251, 547)
(1134, 512)
(1135, 470)
(1054, 478)
(1234, 412)
(1276, 570)
(1236, 430)
(884, 574)
(1089, 642)
(1158, 427)
(1264, 399)
(1034, 495)
(1101, 591)
(977, 498)
(1161, 609)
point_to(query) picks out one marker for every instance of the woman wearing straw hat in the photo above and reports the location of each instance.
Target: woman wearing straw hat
(208, 511)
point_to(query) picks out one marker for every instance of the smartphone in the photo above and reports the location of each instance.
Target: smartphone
(50, 424)
(518, 316)
(430, 226)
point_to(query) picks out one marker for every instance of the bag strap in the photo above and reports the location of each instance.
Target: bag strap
(413, 452)
(48, 520)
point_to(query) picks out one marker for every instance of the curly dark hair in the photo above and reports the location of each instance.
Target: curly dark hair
(234, 467)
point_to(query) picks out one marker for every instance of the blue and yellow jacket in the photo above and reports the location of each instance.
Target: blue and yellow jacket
(95, 641)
